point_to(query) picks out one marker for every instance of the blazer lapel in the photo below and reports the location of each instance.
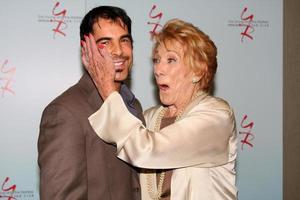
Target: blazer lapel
(93, 97)
(95, 100)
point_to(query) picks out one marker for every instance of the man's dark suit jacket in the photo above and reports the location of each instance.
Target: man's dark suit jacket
(74, 162)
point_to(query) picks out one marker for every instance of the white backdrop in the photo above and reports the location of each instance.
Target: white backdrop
(40, 58)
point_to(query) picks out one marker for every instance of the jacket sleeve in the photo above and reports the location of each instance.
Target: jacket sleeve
(200, 138)
(61, 149)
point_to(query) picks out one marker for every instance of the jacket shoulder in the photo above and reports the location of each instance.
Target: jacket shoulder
(73, 100)
(215, 103)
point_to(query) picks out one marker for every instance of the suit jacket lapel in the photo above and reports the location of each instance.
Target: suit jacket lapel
(95, 100)
(93, 97)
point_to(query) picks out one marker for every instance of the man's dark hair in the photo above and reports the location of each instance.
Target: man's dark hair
(104, 12)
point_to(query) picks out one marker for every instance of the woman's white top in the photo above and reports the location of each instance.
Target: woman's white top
(200, 147)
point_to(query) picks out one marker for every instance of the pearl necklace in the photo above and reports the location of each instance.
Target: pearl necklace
(150, 182)
(157, 195)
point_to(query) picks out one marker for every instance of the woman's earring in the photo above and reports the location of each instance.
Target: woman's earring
(195, 79)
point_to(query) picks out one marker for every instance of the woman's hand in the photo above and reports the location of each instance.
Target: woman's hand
(99, 64)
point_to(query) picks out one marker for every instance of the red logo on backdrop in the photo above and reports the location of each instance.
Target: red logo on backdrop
(247, 23)
(6, 78)
(247, 132)
(156, 20)
(59, 19)
(7, 189)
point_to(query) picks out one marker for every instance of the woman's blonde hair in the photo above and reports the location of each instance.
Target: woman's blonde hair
(200, 52)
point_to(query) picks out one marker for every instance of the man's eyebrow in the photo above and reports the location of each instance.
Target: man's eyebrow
(126, 36)
(103, 38)
(109, 38)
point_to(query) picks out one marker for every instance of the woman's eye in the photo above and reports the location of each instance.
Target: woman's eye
(171, 60)
(155, 60)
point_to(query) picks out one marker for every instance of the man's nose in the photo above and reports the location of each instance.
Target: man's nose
(116, 49)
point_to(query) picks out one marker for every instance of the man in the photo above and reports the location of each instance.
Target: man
(74, 162)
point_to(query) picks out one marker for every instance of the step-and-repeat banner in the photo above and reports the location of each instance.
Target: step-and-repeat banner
(40, 58)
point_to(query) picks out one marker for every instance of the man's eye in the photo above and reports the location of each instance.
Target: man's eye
(105, 43)
(126, 40)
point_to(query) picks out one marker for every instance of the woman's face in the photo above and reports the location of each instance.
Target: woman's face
(173, 76)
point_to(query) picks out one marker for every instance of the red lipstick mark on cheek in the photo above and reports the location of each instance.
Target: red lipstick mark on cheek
(101, 46)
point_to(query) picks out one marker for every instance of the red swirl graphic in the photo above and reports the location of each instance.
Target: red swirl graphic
(6, 189)
(247, 132)
(157, 17)
(6, 79)
(247, 23)
(59, 18)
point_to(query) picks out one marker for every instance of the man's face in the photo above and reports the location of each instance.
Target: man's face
(116, 39)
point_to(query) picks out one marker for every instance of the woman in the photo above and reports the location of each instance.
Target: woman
(188, 149)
